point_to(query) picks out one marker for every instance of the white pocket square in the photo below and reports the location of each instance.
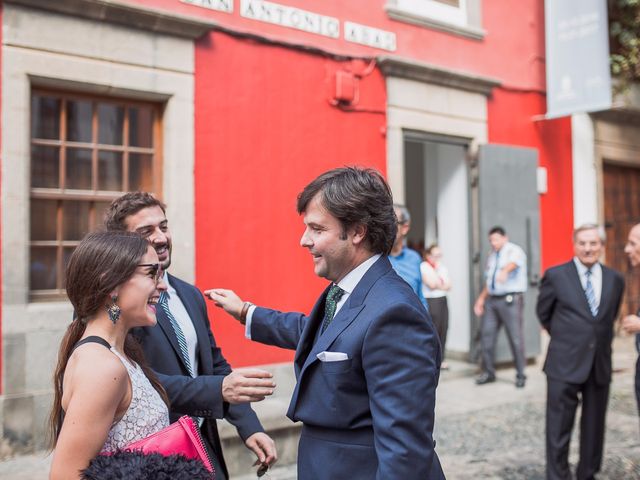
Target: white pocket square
(332, 356)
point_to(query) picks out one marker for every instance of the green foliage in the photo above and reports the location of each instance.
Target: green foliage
(624, 32)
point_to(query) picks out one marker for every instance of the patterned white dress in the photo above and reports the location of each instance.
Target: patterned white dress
(147, 413)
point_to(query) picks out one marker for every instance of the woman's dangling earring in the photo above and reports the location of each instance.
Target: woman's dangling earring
(113, 310)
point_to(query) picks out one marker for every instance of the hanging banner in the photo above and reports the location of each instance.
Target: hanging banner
(577, 42)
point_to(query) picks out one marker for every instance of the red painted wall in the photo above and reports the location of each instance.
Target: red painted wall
(511, 51)
(512, 120)
(264, 129)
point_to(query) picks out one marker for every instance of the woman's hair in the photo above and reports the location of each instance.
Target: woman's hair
(430, 248)
(100, 263)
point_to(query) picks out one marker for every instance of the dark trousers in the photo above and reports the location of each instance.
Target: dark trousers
(213, 455)
(562, 402)
(439, 310)
(497, 312)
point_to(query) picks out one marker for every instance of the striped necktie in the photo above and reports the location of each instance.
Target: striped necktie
(182, 341)
(333, 297)
(591, 295)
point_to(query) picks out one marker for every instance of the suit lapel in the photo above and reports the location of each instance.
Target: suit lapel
(309, 332)
(347, 314)
(607, 289)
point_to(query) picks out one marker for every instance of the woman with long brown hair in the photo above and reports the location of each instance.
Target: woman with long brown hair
(105, 396)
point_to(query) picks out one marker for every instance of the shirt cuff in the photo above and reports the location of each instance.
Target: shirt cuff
(247, 324)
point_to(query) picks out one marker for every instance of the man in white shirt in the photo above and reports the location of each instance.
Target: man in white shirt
(501, 302)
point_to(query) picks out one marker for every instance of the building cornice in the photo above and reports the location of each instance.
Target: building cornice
(117, 12)
(393, 66)
(464, 31)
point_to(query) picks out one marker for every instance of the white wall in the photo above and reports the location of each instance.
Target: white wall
(585, 184)
(453, 228)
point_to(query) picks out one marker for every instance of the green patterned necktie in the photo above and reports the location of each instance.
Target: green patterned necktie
(333, 297)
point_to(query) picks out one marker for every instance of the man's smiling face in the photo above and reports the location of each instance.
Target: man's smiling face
(152, 224)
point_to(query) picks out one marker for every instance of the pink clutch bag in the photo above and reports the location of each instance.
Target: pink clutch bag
(181, 437)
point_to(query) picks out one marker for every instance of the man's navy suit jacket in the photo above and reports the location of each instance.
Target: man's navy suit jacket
(579, 341)
(200, 396)
(372, 415)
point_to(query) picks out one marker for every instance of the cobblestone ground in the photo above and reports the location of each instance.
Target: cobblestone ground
(490, 432)
(502, 437)
(507, 442)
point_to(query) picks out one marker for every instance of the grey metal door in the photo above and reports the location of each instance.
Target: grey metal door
(504, 193)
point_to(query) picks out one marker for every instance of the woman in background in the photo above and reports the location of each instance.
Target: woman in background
(435, 285)
(104, 396)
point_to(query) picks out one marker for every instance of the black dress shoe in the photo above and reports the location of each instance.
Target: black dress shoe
(520, 382)
(485, 378)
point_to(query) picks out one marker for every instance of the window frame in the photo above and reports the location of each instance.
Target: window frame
(92, 195)
(463, 20)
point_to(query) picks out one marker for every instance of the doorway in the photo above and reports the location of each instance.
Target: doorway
(437, 196)
(621, 212)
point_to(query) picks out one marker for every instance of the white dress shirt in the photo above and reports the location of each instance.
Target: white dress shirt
(596, 278)
(348, 284)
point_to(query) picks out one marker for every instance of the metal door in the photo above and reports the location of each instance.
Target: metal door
(504, 193)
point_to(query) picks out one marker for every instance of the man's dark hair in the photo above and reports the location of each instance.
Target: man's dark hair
(499, 230)
(126, 205)
(356, 196)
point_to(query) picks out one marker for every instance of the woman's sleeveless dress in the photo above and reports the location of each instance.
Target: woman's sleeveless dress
(147, 413)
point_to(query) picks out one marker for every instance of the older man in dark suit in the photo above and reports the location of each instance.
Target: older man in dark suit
(368, 356)
(577, 305)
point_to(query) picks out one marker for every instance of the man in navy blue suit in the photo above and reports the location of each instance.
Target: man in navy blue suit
(367, 357)
(182, 351)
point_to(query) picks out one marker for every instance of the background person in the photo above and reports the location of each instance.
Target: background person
(435, 285)
(577, 304)
(105, 397)
(183, 350)
(405, 261)
(501, 302)
(631, 323)
(367, 357)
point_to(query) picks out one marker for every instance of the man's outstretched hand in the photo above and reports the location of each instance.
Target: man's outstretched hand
(226, 299)
(247, 385)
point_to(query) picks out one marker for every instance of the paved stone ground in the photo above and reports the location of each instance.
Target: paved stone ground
(496, 431)
(488, 432)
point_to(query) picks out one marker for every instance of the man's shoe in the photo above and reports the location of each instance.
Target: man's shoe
(485, 378)
(520, 382)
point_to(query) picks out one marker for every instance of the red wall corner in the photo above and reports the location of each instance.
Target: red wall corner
(515, 118)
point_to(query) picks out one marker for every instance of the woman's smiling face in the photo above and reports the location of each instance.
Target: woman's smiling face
(139, 295)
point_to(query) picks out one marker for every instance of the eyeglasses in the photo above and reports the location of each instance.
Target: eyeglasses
(154, 269)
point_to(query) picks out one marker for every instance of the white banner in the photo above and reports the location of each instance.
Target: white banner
(578, 74)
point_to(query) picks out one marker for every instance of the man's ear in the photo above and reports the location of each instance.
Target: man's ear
(359, 234)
